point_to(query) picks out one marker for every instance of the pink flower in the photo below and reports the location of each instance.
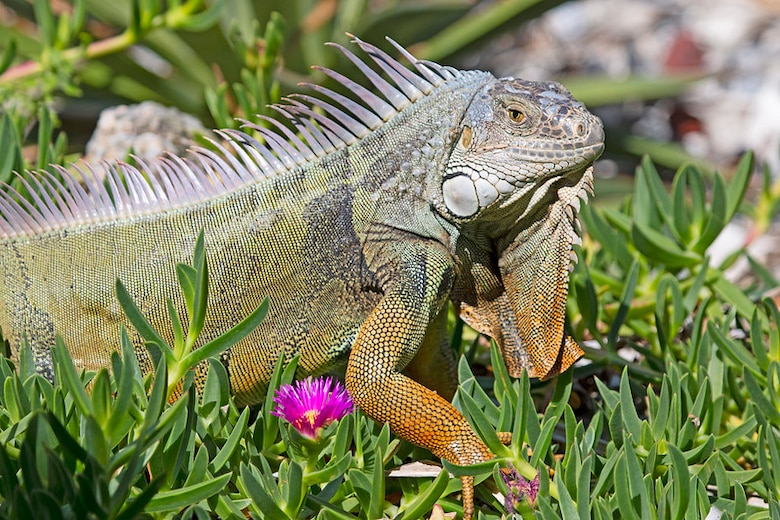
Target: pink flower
(311, 403)
(519, 489)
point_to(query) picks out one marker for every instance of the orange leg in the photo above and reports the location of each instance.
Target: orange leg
(387, 341)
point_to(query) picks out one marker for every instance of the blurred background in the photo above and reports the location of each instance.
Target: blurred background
(679, 80)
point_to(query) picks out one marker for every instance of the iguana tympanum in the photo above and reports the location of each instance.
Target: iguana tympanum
(360, 216)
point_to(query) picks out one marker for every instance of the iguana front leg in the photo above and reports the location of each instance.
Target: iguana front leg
(388, 340)
(434, 366)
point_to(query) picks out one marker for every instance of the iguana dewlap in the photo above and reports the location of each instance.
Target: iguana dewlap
(360, 216)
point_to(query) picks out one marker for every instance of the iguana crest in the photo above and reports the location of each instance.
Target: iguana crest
(171, 181)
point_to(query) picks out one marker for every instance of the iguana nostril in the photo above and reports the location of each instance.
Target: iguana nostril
(576, 127)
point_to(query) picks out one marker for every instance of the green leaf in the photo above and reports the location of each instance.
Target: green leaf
(668, 297)
(760, 399)
(200, 297)
(600, 90)
(139, 321)
(125, 380)
(135, 28)
(198, 467)
(681, 220)
(8, 471)
(623, 492)
(127, 474)
(333, 471)
(583, 487)
(45, 129)
(69, 378)
(271, 422)
(197, 22)
(481, 424)
(69, 444)
(730, 293)
(526, 424)
(181, 432)
(216, 389)
(7, 57)
(625, 305)
(701, 452)
(660, 416)
(332, 511)
(680, 481)
(10, 149)
(693, 296)
(178, 330)
(733, 349)
(229, 338)
(365, 485)
(45, 21)
(158, 396)
(378, 486)
(585, 294)
(26, 367)
(188, 278)
(631, 421)
(77, 20)
(424, 501)
(568, 507)
(643, 205)
(634, 470)
(182, 497)
(609, 238)
(732, 435)
(657, 192)
(714, 222)
(735, 190)
(232, 442)
(606, 475)
(134, 507)
(293, 490)
(542, 445)
(101, 397)
(472, 469)
(657, 246)
(763, 351)
(343, 439)
(502, 385)
(470, 28)
(698, 194)
(740, 500)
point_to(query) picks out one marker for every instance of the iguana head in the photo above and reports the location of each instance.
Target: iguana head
(517, 136)
(513, 185)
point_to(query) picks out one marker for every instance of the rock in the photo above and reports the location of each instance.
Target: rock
(147, 129)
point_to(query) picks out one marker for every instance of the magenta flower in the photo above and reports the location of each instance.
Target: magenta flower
(519, 489)
(311, 403)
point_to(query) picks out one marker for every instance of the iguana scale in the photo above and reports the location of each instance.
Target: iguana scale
(360, 216)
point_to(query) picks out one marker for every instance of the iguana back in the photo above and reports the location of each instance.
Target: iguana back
(359, 219)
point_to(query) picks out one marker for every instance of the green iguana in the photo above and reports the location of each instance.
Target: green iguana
(360, 216)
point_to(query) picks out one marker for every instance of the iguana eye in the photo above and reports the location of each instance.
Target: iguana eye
(516, 115)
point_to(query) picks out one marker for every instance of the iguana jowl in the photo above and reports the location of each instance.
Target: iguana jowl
(360, 217)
